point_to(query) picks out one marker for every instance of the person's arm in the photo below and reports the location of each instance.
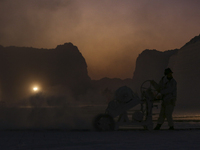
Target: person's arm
(170, 89)
(156, 85)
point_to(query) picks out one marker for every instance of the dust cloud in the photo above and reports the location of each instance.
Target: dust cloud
(53, 112)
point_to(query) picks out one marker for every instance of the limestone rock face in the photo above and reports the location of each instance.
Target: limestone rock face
(23, 67)
(186, 66)
(184, 62)
(150, 65)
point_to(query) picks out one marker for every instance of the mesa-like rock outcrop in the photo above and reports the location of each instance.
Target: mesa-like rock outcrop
(150, 65)
(184, 62)
(61, 68)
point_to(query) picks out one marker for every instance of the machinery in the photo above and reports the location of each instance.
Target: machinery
(125, 99)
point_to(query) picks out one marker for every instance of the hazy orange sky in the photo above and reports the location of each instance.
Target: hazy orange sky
(109, 33)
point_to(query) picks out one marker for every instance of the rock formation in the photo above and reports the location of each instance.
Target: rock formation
(184, 62)
(150, 65)
(23, 67)
(187, 73)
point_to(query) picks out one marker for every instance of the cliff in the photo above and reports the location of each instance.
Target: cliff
(184, 62)
(23, 67)
(187, 73)
(150, 65)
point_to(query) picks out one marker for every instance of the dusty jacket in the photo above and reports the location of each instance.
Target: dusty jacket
(168, 89)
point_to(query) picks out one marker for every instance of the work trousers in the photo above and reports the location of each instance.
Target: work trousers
(166, 112)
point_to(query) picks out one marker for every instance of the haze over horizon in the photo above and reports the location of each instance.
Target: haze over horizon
(109, 33)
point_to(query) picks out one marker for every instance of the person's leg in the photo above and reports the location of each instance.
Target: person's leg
(168, 112)
(162, 115)
(161, 118)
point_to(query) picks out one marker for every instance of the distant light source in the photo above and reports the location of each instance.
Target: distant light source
(35, 89)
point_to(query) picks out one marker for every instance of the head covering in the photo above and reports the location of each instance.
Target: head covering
(167, 71)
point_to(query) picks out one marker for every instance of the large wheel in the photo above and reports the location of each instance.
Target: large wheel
(146, 85)
(104, 122)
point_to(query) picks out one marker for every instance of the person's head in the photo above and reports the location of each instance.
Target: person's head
(168, 72)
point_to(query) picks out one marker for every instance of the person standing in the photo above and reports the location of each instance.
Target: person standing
(168, 89)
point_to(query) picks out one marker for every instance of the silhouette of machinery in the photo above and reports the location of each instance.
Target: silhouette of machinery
(125, 99)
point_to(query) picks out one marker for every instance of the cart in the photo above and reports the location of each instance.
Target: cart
(116, 115)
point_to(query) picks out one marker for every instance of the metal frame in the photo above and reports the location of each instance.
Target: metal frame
(107, 121)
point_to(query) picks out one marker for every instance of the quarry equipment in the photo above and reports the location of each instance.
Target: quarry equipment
(125, 99)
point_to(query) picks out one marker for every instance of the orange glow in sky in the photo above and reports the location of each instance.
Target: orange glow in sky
(110, 34)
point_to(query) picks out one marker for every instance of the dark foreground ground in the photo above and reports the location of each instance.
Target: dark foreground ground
(71, 129)
(183, 139)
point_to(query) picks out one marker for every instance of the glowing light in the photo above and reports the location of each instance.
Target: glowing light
(35, 89)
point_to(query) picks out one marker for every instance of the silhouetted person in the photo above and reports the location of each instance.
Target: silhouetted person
(168, 88)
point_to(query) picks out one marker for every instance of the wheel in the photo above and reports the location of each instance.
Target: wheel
(104, 122)
(147, 91)
(146, 85)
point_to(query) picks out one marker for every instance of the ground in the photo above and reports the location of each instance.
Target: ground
(183, 139)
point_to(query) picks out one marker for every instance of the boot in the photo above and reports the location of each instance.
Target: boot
(157, 127)
(171, 128)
